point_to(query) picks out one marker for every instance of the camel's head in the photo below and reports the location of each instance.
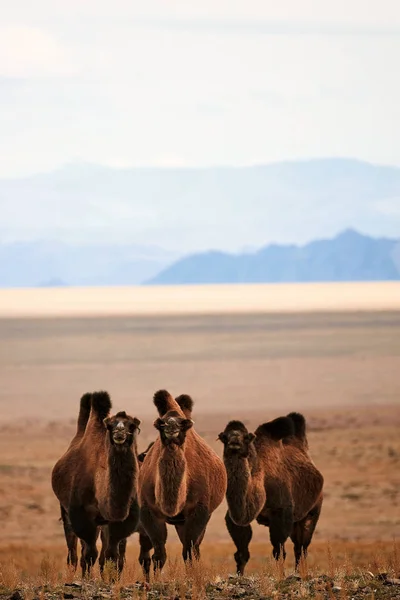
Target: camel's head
(236, 439)
(122, 429)
(173, 427)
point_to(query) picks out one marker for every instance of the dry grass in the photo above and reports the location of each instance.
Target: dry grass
(356, 570)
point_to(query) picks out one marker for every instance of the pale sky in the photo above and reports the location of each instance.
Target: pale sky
(183, 83)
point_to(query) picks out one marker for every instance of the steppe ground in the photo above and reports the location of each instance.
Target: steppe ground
(342, 370)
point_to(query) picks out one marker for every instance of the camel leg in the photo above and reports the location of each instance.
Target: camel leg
(241, 536)
(303, 531)
(280, 527)
(88, 532)
(71, 539)
(121, 554)
(117, 534)
(104, 543)
(144, 556)
(191, 533)
(156, 529)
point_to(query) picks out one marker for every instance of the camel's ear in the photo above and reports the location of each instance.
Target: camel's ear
(159, 424)
(187, 424)
(250, 437)
(135, 424)
(222, 437)
(107, 421)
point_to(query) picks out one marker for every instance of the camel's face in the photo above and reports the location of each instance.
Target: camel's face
(122, 429)
(236, 439)
(173, 428)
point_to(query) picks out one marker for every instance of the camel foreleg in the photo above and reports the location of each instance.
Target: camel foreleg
(241, 536)
(156, 530)
(192, 531)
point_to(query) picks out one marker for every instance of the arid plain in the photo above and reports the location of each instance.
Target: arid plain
(341, 369)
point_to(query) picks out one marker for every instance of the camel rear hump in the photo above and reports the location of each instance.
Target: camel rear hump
(277, 429)
(186, 404)
(300, 429)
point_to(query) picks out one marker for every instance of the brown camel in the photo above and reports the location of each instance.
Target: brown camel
(181, 482)
(95, 482)
(271, 478)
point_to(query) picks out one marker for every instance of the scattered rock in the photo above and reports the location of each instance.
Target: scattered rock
(336, 588)
(16, 596)
(391, 581)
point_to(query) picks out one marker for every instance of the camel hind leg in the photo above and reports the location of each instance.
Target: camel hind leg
(71, 539)
(303, 532)
(241, 536)
(280, 528)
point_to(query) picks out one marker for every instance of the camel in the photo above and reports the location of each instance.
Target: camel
(181, 482)
(95, 482)
(272, 479)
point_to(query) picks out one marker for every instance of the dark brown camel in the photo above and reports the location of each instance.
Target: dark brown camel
(95, 482)
(271, 478)
(181, 482)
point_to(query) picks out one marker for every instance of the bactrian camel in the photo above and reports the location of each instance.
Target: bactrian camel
(95, 482)
(181, 482)
(272, 479)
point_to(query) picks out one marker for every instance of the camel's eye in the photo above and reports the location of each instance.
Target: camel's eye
(159, 424)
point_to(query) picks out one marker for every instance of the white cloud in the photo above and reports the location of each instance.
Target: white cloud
(31, 52)
(105, 83)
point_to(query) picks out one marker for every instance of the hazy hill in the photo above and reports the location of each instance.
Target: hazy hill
(53, 264)
(193, 210)
(349, 256)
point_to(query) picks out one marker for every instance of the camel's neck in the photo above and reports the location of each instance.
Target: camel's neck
(120, 482)
(171, 480)
(245, 492)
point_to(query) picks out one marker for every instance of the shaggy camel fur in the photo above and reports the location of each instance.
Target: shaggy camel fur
(95, 482)
(271, 478)
(181, 482)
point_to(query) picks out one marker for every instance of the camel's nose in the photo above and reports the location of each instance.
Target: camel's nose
(234, 440)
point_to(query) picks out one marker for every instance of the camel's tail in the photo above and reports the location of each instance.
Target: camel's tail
(299, 423)
(84, 412)
(101, 404)
(164, 402)
(186, 404)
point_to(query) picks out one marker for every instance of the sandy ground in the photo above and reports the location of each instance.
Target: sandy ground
(341, 369)
(205, 299)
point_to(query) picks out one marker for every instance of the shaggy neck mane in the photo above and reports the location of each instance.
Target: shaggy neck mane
(171, 480)
(120, 480)
(245, 492)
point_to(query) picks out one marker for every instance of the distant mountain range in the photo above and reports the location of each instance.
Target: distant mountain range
(129, 226)
(55, 264)
(192, 210)
(350, 256)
